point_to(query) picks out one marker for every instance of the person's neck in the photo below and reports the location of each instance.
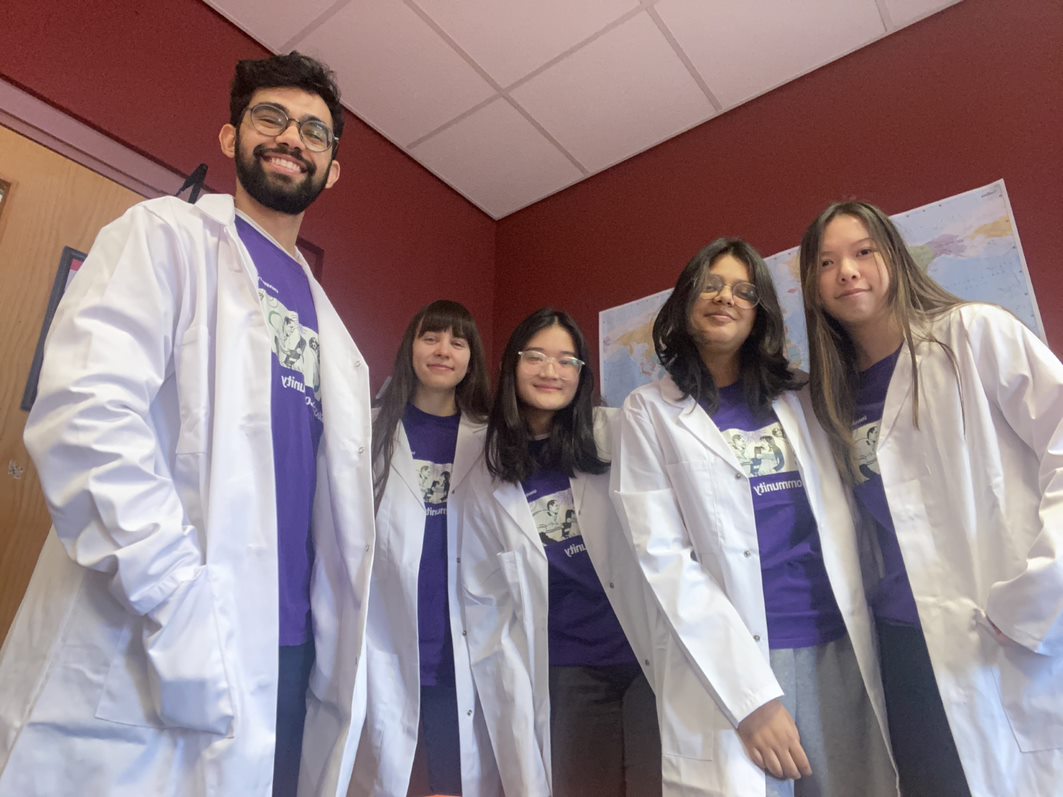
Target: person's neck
(724, 369)
(282, 227)
(873, 343)
(435, 402)
(539, 422)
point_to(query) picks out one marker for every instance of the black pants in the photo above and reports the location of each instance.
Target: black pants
(296, 662)
(437, 759)
(923, 748)
(603, 732)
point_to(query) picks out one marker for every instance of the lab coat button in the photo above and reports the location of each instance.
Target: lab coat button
(367, 549)
(468, 713)
(464, 632)
(357, 363)
(361, 449)
(458, 560)
(738, 475)
(646, 662)
(611, 585)
(747, 554)
(756, 637)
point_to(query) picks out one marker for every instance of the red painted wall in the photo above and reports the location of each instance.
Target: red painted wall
(956, 101)
(156, 77)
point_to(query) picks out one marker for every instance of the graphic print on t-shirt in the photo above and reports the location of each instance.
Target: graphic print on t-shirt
(865, 440)
(763, 452)
(555, 518)
(434, 479)
(296, 346)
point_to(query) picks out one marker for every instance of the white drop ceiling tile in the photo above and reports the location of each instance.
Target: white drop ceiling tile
(272, 24)
(743, 49)
(604, 105)
(511, 39)
(497, 159)
(904, 12)
(394, 71)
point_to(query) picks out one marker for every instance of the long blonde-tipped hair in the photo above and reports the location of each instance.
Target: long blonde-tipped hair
(912, 298)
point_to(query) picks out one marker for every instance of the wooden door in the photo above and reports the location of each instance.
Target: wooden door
(51, 203)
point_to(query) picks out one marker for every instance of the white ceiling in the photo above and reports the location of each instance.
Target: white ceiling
(509, 101)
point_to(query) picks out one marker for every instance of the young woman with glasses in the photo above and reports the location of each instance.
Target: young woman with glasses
(424, 732)
(546, 573)
(947, 419)
(744, 533)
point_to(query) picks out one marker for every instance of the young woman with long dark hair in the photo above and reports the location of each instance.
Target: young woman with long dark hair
(546, 574)
(745, 536)
(947, 419)
(424, 731)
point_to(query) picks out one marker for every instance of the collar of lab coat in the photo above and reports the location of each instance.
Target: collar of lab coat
(693, 418)
(510, 496)
(465, 454)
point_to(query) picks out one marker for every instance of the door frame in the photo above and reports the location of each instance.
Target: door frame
(58, 131)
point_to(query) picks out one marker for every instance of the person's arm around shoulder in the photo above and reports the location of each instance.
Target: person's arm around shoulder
(1024, 379)
(109, 350)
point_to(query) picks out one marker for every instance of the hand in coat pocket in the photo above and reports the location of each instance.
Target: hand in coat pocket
(186, 670)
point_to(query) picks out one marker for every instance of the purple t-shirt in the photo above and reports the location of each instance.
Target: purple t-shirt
(432, 441)
(892, 600)
(798, 599)
(295, 402)
(583, 628)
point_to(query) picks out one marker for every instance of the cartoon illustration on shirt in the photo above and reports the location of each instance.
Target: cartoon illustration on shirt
(296, 347)
(865, 438)
(762, 452)
(555, 517)
(434, 479)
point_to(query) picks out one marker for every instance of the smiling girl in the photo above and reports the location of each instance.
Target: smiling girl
(767, 681)
(424, 731)
(947, 419)
(569, 709)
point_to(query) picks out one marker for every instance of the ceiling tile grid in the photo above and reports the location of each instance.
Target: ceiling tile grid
(512, 39)
(604, 106)
(743, 49)
(509, 101)
(394, 71)
(497, 159)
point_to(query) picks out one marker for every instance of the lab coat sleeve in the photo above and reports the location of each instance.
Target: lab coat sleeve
(89, 433)
(500, 652)
(1024, 379)
(703, 620)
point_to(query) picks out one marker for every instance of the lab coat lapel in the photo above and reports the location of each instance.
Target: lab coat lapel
(402, 463)
(696, 421)
(510, 496)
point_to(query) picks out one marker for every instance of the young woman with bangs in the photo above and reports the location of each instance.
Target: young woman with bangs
(551, 587)
(946, 417)
(767, 682)
(424, 731)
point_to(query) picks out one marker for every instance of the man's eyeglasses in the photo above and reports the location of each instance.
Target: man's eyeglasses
(536, 360)
(272, 120)
(744, 294)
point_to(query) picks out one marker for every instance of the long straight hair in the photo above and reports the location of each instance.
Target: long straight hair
(571, 446)
(912, 298)
(765, 371)
(472, 395)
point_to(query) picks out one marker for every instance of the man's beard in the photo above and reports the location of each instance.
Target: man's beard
(291, 198)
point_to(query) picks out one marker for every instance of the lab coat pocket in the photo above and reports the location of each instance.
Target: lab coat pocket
(687, 712)
(1031, 690)
(513, 570)
(169, 671)
(126, 697)
(193, 375)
